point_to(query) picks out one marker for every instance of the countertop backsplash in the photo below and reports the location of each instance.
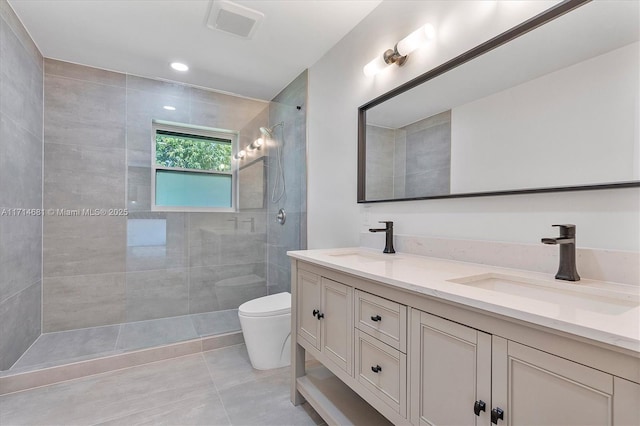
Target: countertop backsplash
(597, 264)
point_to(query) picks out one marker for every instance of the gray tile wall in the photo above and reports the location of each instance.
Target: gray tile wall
(98, 135)
(428, 156)
(413, 161)
(380, 163)
(21, 72)
(293, 234)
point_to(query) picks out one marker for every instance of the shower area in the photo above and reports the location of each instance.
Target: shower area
(88, 269)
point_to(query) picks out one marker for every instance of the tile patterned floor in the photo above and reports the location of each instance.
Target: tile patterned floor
(63, 347)
(212, 388)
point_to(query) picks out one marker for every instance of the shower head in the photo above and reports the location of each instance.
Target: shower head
(268, 131)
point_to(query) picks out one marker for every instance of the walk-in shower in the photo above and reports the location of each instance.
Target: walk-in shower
(103, 293)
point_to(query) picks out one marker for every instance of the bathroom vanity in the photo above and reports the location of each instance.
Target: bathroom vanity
(424, 341)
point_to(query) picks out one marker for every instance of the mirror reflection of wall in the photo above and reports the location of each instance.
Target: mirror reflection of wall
(411, 161)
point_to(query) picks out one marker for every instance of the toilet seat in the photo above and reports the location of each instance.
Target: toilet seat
(267, 306)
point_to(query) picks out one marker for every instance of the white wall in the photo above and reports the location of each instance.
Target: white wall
(564, 142)
(337, 87)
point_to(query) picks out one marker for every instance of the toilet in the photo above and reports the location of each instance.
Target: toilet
(266, 326)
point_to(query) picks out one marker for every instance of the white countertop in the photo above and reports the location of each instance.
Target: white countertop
(616, 323)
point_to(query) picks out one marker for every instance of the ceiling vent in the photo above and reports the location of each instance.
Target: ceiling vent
(233, 18)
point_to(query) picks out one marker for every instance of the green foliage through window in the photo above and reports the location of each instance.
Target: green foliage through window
(192, 152)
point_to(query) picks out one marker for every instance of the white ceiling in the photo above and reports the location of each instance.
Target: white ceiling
(142, 37)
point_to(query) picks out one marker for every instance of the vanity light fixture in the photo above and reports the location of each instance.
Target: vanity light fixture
(398, 55)
(256, 144)
(169, 108)
(179, 66)
(267, 133)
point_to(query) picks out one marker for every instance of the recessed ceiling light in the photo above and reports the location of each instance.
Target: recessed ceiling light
(169, 108)
(179, 66)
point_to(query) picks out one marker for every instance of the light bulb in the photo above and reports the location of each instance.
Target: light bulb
(375, 66)
(416, 39)
(240, 155)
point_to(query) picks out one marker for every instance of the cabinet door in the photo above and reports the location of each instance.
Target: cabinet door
(536, 388)
(308, 306)
(337, 323)
(450, 371)
(626, 403)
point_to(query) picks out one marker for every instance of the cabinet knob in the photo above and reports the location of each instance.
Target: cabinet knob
(376, 369)
(480, 405)
(320, 316)
(376, 318)
(315, 312)
(497, 414)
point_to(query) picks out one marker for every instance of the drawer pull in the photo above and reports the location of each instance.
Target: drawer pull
(320, 316)
(497, 414)
(479, 406)
(315, 312)
(376, 318)
(376, 369)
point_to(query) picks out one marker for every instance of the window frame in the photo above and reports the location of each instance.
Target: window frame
(194, 130)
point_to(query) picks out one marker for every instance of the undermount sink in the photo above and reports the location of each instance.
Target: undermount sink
(575, 295)
(364, 257)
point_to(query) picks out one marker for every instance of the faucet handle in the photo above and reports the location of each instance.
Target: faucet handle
(567, 230)
(389, 223)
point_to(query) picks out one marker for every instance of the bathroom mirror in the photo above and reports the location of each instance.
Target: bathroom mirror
(550, 105)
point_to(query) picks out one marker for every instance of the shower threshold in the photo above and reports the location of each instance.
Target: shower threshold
(66, 355)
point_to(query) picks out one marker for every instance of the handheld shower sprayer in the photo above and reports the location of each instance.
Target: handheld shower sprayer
(277, 194)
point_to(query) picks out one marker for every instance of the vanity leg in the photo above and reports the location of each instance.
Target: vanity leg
(297, 351)
(297, 370)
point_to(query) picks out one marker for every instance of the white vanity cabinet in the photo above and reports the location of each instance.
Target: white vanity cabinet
(325, 319)
(461, 375)
(418, 359)
(537, 388)
(450, 371)
(380, 350)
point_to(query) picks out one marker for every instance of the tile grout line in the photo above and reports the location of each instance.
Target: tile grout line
(42, 169)
(226, 413)
(23, 354)
(118, 337)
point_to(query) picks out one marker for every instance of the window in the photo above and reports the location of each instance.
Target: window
(192, 169)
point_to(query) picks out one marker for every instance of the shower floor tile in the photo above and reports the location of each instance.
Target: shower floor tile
(64, 347)
(52, 348)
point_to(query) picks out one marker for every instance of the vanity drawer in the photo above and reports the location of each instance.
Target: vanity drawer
(383, 319)
(382, 370)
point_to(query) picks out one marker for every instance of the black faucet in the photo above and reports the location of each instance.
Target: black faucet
(567, 241)
(388, 248)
